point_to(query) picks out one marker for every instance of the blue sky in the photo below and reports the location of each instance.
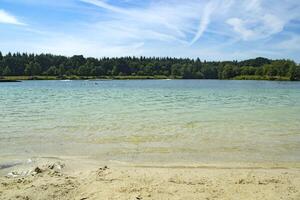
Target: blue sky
(209, 29)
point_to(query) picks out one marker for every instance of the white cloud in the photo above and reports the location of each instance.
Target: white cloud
(290, 44)
(258, 19)
(210, 29)
(239, 26)
(205, 20)
(273, 24)
(260, 27)
(7, 18)
(186, 22)
(167, 20)
(107, 6)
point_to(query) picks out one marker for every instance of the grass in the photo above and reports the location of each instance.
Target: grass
(85, 77)
(74, 77)
(255, 77)
(28, 78)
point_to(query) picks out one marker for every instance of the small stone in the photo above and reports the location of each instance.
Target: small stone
(38, 170)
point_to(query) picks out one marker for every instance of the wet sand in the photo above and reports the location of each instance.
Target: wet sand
(71, 179)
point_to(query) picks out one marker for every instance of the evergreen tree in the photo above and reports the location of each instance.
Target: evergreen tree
(32, 69)
(7, 71)
(48, 64)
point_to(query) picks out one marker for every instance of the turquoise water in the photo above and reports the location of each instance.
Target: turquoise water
(152, 120)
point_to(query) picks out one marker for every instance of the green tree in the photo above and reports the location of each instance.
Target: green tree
(248, 70)
(32, 69)
(98, 71)
(230, 71)
(187, 72)
(209, 72)
(61, 70)
(115, 71)
(1, 70)
(259, 71)
(282, 66)
(47, 64)
(294, 73)
(149, 69)
(84, 70)
(52, 71)
(176, 70)
(270, 70)
(7, 71)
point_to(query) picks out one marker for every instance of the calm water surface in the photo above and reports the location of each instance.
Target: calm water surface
(152, 120)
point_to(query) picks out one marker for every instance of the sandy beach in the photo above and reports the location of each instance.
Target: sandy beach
(150, 100)
(71, 179)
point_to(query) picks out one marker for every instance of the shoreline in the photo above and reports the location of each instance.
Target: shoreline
(158, 77)
(11, 162)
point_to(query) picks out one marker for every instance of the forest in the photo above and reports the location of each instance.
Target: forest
(77, 66)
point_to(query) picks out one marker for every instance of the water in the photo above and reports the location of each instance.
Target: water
(152, 120)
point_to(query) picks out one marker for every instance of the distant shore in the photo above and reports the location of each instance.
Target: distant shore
(20, 78)
(15, 78)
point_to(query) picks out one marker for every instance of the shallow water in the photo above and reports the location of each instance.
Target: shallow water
(151, 120)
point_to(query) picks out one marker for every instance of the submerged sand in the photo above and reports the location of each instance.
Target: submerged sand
(78, 180)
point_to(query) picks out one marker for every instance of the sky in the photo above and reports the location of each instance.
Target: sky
(208, 29)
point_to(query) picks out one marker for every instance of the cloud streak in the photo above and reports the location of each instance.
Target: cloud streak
(7, 18)
(176, 22)
(205, 20)
(259, 19)
(209, 29)
(107, 6)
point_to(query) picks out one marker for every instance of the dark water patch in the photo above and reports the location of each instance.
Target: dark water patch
(9, 165)
(9, 81)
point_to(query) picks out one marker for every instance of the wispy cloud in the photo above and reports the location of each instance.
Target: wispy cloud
(169, 19)
(107, 6)
(205, 20)
(7, 18)
(239, 26)
(210, 29)
(258, 19)
(289, 44)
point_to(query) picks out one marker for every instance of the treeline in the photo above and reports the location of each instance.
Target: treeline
(18, 64)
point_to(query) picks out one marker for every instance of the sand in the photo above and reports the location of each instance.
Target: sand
(80, 181)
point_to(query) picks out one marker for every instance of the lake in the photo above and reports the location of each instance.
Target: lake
(205, 121)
